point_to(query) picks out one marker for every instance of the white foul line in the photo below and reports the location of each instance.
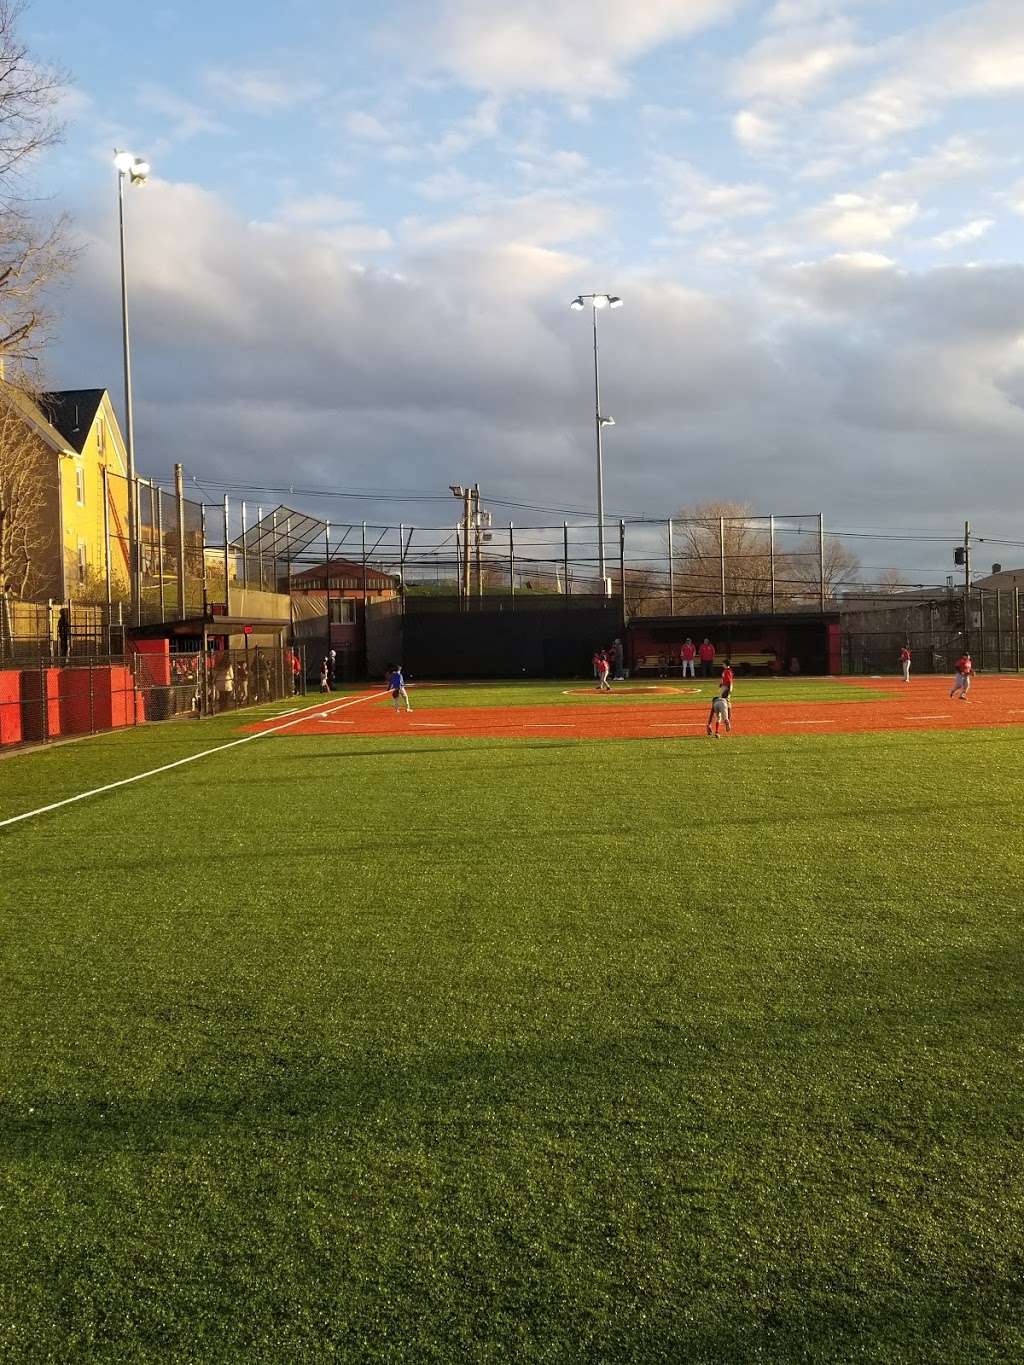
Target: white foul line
(178, 762)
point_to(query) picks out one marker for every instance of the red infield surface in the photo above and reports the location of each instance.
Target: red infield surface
(924, 704)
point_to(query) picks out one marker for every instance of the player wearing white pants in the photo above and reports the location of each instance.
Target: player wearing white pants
(905, 663)
(718, 714)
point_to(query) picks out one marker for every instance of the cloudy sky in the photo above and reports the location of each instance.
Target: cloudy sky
(353, 264)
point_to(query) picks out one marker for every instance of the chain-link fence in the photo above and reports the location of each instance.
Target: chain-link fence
(933, 628)
(47, 701)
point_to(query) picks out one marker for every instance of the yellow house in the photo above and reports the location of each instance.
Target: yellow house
(60, 444)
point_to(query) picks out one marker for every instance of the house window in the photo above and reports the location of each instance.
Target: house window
(83, 561)
(79, 485)
(343, 611)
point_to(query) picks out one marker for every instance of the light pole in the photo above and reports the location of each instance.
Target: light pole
(135, 171)
(598, 301)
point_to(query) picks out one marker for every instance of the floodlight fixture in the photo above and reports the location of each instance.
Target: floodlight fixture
(597, 302)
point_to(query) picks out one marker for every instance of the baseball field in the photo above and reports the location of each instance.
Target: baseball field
(529, 1025)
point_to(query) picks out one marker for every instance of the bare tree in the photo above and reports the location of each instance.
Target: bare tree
(645, 592)
(33, 253)
(705, 535)
(841, 570)
(891, 582)
(26, 521)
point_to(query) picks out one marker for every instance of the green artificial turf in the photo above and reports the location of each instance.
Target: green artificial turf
(392, 1050)
(677, 692)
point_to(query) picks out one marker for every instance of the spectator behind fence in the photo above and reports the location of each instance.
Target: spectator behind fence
(64, 635)
(687, 655)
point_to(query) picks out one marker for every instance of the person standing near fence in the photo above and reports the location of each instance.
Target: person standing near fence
(603, 684)
(707, 656)
(325, 674)
(905, 662)
(686, 656)
(962, 676)
(64, 635)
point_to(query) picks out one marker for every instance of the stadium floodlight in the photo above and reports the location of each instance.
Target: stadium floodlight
(135, 170)
(596, 302)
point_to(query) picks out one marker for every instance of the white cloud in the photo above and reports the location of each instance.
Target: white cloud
(368, 127)
(691, 200)
(184, 119)
(795, 65)
(316, 210)
(860, 219)
(969, 232)
(551, 167)
(977, 52)
(264, 91)
(574, 47)
(537, 219)
(464, 133)
(755, 131)
(848, 376)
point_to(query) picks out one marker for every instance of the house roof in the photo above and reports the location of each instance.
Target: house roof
(342, 568)
(72, 412)
(1005, 579)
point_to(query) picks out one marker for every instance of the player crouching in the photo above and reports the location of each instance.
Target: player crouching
(718, 715)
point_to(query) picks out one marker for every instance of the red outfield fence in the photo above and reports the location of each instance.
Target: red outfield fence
(47, 702)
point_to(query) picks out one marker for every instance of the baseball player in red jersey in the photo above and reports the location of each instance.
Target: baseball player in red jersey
(962, 677)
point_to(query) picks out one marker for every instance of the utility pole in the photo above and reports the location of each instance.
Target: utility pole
(967, 587)
(467, 505)
(476, 545)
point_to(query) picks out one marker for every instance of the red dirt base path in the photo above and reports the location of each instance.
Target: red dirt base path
(924, 704)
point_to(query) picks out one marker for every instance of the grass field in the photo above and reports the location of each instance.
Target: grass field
(424, 1049)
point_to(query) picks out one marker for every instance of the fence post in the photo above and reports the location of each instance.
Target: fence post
(721, 553)
(511, 562)
(999, 627)
(401, 557)
(160, 547)
(245, 547)
(671, 572)
(771, 556)
(179, 493)
(622, 568)
(1016, 629)
(227, 580)
(92, 705)
(206, 595)
(981, 623)
(106, 543)
(366, 642)
(565, 558)
(821, 563)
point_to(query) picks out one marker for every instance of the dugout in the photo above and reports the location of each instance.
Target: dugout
(763, 644)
